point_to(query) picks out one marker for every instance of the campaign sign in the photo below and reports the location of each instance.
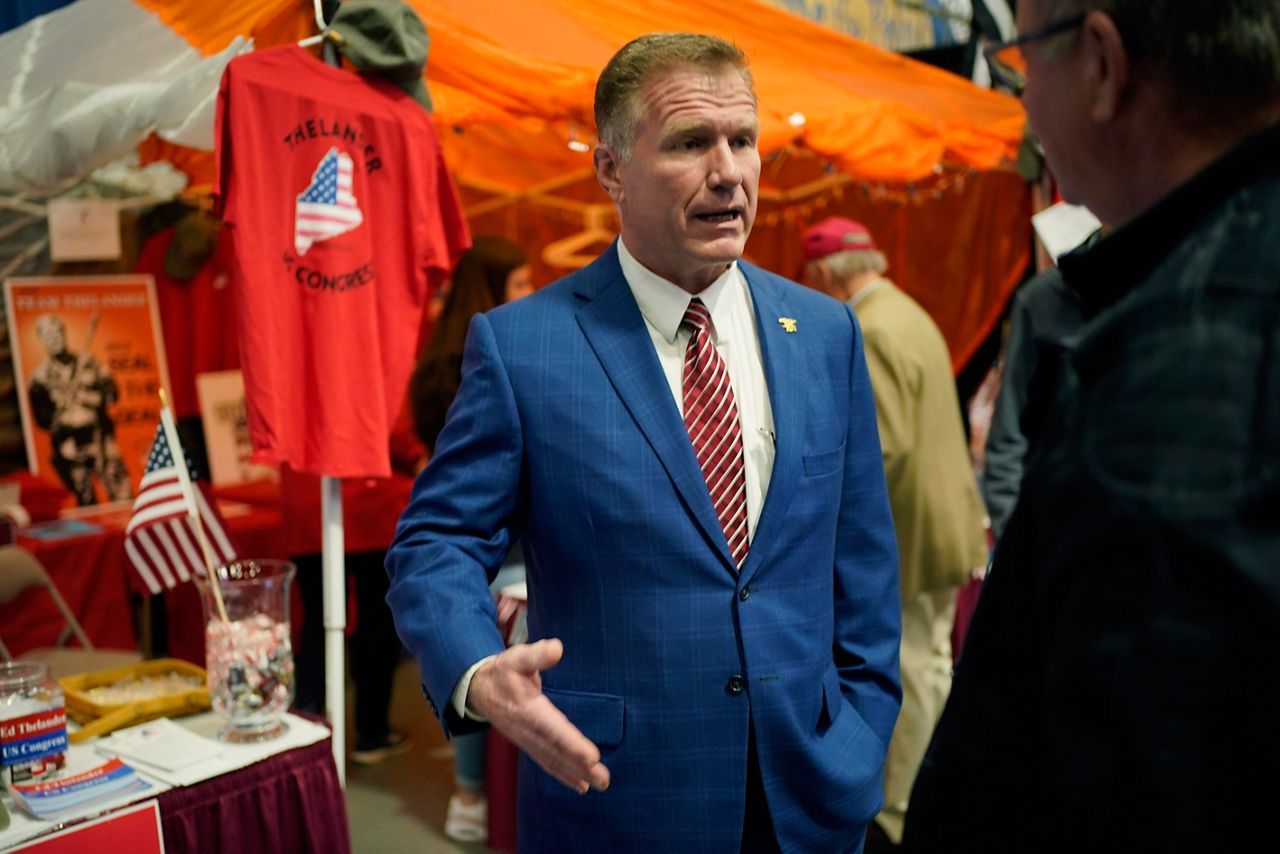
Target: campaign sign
(134, 829)
(33, 737)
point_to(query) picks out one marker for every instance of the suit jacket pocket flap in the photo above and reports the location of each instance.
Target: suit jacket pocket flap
(598, 716)
(824, 463)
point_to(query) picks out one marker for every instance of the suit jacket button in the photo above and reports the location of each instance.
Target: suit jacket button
(735, 685)
(744, 594)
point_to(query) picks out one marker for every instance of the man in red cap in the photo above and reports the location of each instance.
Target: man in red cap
(937, 512)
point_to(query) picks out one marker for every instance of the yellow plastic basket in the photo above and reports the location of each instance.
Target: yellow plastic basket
(97, 718)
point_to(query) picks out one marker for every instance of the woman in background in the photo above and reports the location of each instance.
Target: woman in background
(492, 272)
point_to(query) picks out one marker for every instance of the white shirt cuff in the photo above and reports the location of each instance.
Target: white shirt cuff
(459, 699)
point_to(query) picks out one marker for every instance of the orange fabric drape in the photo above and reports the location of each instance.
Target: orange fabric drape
(875, 114)
(958, 244)
(513, 85)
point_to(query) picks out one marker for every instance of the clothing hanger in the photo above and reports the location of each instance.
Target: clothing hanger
(572, 251)
(324, 10)
(318, 8)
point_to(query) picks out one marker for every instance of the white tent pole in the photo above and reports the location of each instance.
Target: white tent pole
(334, 574)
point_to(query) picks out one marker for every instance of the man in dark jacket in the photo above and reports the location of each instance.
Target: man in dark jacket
(1117, 690)
(1043, 321)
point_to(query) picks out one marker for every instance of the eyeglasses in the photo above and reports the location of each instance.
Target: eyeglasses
(1006, 60)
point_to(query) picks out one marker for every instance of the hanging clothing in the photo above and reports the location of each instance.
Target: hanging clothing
(343, 219)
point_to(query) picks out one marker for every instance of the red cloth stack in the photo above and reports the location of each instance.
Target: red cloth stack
(40, 498)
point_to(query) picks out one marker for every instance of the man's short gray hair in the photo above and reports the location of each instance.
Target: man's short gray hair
(622, 82)
(845, 265)
(1219, 57)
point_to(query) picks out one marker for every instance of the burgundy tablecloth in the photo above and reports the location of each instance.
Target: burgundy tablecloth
(289, 802)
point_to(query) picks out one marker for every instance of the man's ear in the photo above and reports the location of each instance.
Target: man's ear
(607, 165)
(1108, 66)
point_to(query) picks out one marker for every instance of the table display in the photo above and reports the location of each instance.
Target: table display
(279, 795)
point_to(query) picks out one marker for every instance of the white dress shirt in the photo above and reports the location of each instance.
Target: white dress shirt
(733, 332)
(735, 337)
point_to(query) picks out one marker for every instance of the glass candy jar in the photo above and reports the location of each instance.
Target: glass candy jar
(33, 722)
(249, 656)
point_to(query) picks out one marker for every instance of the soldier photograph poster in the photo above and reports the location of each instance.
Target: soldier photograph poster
(88, 363)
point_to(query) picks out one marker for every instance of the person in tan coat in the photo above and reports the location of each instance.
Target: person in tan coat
(937, 511)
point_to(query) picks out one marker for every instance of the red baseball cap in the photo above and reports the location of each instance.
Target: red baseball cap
(836, 234)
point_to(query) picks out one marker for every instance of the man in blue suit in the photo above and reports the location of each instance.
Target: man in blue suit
(712, 668)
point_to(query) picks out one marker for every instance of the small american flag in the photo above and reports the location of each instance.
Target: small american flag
(328, 206)
(161, 539)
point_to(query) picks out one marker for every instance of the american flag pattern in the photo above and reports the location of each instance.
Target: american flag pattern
(328, 206)
(161, 539)
(711, 417)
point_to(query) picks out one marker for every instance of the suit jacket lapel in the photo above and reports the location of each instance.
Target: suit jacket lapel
(787, 379)
(616, 331)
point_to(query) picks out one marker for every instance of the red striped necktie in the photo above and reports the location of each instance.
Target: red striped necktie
(711, 417)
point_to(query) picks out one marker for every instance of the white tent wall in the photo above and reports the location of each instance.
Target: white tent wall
(59, 121)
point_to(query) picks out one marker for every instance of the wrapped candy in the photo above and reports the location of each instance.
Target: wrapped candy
(250, 664)
(248, 653)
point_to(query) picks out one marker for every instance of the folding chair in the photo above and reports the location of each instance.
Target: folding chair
(21, 571)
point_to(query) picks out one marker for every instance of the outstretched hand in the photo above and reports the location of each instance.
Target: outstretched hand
(508, 692)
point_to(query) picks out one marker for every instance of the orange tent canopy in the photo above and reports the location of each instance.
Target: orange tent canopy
(873, 114)
(922, 156)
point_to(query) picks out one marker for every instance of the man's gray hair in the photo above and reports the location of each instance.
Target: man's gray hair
(622, 82)
(845, 265)
(1219, 57)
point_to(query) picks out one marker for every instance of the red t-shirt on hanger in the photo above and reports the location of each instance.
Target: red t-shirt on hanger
(342, 219)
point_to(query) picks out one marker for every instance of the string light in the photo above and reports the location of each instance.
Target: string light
(576, 144)
(789, 213)
(787, 209)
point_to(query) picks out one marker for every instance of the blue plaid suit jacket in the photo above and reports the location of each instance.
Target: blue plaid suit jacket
(564, 432)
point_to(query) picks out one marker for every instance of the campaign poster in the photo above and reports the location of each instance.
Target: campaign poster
(88, 361)
(226, 426)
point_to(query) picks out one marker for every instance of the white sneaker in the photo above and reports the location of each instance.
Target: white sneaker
(467, 822)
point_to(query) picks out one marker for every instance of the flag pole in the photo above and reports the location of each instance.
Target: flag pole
(189, 499)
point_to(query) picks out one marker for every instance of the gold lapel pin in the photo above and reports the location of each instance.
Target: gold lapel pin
(788, 324)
